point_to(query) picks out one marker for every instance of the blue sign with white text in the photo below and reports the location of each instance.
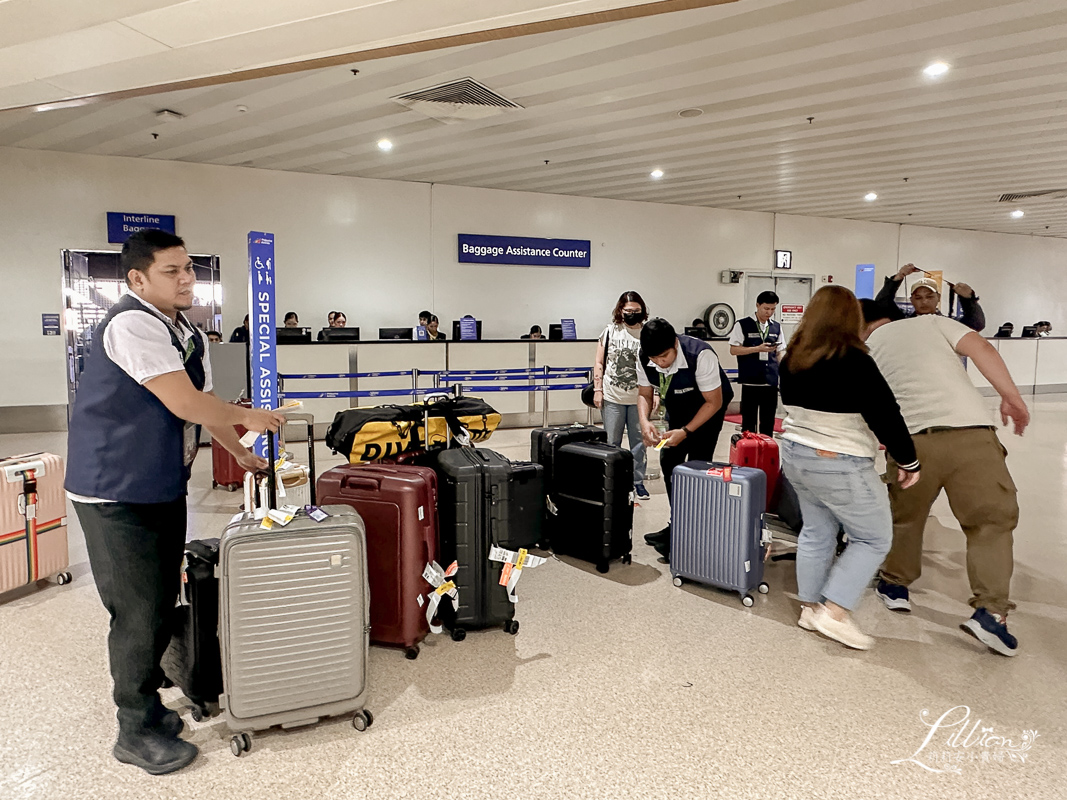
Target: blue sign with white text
(262, 345)
(570, 332)
(50, 324)
(121, 225)
(522, 250)
(865, 281)
(468, 329)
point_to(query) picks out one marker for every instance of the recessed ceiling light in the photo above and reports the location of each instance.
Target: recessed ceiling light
(936, 70)
(689, 113)
(870, 197)
(385, 145)
(656, 173)
(1018, 213)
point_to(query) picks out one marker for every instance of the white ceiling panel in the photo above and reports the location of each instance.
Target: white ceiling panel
(600, 105)
(29, 20)
(75, 50)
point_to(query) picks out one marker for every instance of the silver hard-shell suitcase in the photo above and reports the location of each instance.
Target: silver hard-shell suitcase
(717, 531)
(294, 622)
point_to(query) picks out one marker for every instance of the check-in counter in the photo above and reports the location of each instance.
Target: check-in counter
(1038, 366)
(517, 408)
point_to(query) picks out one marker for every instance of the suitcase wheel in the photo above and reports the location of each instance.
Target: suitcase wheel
(411, 653)
(240, 743)
(458, 634)
(198, 714)
(602, 566)
(677, 581)
(362, 720)
(764, 588)
(214, 484)
(627, 559)
(747, 601)
(64, 578)
(511, 626)
(232, 487)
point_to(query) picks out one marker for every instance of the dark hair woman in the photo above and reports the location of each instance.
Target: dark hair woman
(838, 409)
(615, 379)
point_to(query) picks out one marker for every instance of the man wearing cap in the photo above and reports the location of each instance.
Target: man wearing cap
(926, 297)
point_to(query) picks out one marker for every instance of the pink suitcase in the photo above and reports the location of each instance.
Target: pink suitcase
(33, 520)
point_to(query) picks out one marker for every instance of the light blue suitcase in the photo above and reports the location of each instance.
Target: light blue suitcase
(717, 532)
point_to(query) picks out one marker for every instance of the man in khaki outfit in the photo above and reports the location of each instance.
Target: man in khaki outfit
(956, 440)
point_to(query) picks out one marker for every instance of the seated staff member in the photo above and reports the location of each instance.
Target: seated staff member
(240, 334)
(926, 299)
(130, 448)
(758, 343)
(695, 393)
(535, 333)
(337, 320)
(292, 320)
(432, 332)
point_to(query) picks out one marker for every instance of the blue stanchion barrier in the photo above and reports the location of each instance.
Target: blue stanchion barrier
(449, 378)
(367, 393)
(529, 387)
(400, 374)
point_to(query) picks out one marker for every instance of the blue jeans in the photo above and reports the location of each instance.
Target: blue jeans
(845, 490)
(616, 417)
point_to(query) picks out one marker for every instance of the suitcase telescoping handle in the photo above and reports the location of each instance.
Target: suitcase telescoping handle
(310, 421)
(252, 480)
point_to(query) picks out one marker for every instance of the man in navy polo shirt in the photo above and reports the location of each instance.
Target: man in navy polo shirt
(132, 436)
(693, 390)
(758, 343)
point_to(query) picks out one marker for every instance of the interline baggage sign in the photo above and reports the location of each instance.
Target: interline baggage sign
(523, 250)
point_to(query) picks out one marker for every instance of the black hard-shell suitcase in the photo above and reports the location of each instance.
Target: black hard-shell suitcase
(593, 514)
(546, 442)
(484, 500)
(192, 661)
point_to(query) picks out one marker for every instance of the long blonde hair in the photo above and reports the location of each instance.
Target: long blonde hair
(829, 328)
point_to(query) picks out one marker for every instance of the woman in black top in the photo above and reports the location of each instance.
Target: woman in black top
(839, 407)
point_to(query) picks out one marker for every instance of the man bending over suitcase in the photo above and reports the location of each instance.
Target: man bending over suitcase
(956, 439)
(133, 434)
(695, 393)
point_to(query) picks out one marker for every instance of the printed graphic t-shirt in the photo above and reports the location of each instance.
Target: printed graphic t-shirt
(620, 373)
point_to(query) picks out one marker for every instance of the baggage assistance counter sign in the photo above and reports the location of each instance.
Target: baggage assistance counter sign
(523, 250)
(262, 345)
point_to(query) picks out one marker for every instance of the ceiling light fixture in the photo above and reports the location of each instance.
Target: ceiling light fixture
(936, 70)
(385, 145)
(656, 173)
(870, 197)
(1018, 214)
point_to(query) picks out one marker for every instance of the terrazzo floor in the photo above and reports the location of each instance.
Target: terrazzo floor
(617, 686)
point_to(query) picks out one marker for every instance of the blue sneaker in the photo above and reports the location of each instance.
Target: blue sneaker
(992, 631)
(893, 595)
(642, 492)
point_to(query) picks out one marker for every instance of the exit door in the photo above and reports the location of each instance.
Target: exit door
(792, 290)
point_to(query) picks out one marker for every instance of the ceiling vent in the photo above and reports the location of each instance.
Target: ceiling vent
(457, 101)
(1051, 194)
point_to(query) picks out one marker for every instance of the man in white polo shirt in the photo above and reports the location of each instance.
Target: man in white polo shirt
(956, 439)
(130, 446)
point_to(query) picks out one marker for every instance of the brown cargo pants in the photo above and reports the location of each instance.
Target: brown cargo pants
(968, 463)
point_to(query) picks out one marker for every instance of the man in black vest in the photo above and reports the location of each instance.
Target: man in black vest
(132, 437)
(758, 343)
(693, 390)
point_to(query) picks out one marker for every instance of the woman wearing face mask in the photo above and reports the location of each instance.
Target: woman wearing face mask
(615, 379)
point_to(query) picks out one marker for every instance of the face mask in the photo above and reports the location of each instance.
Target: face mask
(632, 317)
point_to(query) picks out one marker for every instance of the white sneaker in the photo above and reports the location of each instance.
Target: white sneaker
(847, 632)
(805, 618)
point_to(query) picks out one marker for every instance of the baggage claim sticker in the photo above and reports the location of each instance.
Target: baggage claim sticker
(439, 579)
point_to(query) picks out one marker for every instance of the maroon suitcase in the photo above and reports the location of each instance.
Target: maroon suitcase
(398, 504)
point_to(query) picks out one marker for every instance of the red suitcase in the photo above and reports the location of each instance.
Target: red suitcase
(224, 469)
(398, 504)
(757, 450)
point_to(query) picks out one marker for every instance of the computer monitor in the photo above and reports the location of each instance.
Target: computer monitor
(455, 330)
(339, 335)
(395, 333)
(555, 332)
(1029, 332)
(292, 335)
